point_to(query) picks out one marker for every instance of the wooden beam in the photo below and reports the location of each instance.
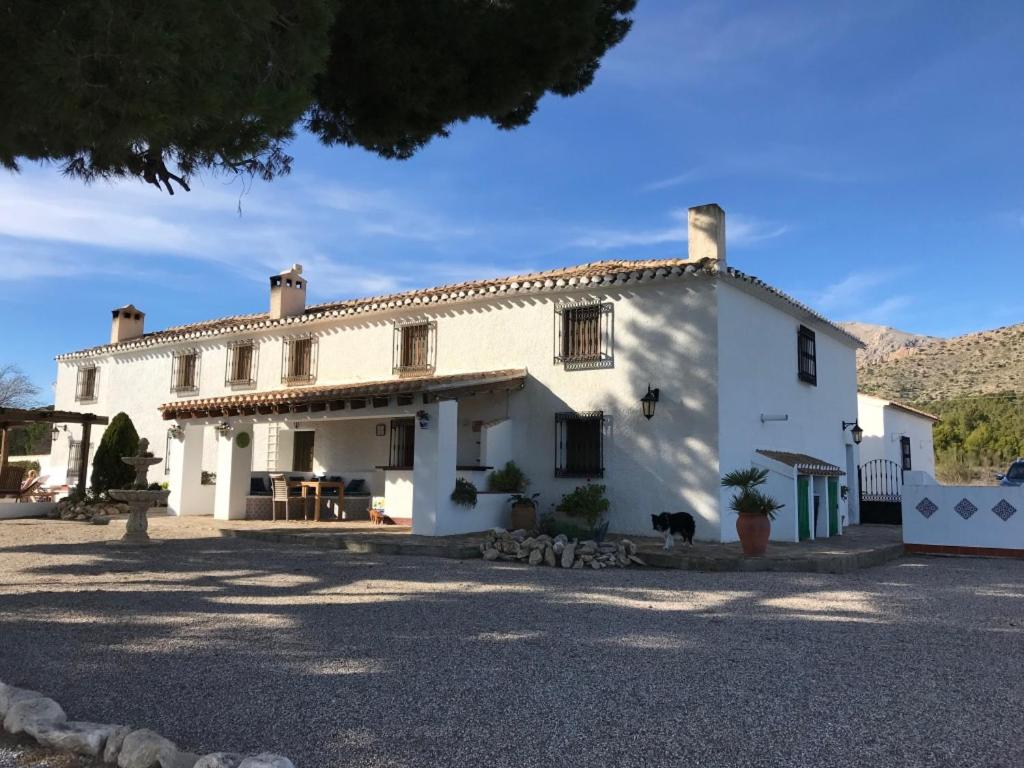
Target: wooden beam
(3, 449)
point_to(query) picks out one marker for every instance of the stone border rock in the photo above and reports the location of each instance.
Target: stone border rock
(42, 718)
(558, 551)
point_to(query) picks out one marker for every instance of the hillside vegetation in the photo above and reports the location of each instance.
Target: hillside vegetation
(973, 383)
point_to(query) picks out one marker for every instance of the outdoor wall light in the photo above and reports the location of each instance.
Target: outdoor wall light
(424, 419)
(176, 432)
(222, 428)
(857, 433)
(57, 429)
(648, 401)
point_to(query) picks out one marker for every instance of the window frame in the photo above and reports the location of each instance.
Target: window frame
(231, 379)
(906, 453)
(82, 377)
(178, 386)
(807, 360)
(400, 365)
(288, 376)
(565, 464)
(600, 339)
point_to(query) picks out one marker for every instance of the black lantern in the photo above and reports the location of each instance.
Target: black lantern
(857, 433)
(647, 402)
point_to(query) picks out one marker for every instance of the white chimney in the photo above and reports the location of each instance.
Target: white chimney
(287, 293)
(706, 233)
(128, 323)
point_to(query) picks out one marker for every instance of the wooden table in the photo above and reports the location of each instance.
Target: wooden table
(317, 486)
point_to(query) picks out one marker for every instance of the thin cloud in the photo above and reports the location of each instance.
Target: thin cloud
(741, 230)
(865, 296)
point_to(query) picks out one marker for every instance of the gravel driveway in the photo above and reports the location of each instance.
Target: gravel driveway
(346, 660)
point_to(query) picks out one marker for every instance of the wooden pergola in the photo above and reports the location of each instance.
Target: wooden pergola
(19, 417)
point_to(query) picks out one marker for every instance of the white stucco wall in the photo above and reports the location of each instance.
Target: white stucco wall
(946, 527)
(757, 355)
(883, 426)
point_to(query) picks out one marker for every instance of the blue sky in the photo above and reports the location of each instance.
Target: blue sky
(868, 156)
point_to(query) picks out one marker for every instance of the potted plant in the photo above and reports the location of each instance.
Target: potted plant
(589, 503)
(465, 493)
(755, 508)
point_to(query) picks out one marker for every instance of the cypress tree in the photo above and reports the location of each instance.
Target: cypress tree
(119, 439)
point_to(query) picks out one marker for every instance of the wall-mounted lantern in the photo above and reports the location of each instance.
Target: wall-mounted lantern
(857, 433)
(424, 419)
(648, 401)
(222, 428)
(57, 429)
(176, 432)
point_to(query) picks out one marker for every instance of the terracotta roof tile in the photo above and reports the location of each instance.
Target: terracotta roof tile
(615, 271)
(436, 386)
(802, 461)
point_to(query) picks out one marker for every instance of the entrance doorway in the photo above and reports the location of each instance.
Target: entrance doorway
(302, 451)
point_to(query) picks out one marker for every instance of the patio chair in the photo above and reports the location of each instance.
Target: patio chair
(279, 495)
(32, 487)
(11, 481)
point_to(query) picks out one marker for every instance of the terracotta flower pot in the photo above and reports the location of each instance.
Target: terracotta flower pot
(753, 531)
(524, 515)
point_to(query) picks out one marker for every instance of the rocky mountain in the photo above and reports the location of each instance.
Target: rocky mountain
(924, 369)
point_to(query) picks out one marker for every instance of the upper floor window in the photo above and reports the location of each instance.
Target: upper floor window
(584, 336)
(298, 364)
(85, 387)
(185, 372)
(579, 443)
(807, 355)
(908, 464)
(241, 363)
(415, 347)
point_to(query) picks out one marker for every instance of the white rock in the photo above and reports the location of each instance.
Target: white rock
(114, 742)
(535, 557)
(266, 760)
(491, 554)
(78, 737)
(31, 715)
(568, 555)
(549, 556)
(143, 749)
(177, 759)
(219, 760)
(9, 694)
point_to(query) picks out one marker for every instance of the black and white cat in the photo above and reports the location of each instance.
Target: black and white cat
(674, 524)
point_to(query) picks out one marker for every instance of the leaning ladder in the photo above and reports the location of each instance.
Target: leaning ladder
(272, 447)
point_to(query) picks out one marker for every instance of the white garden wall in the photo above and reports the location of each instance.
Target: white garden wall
(962, 517)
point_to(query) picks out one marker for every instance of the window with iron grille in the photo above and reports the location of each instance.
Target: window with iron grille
(298, 364)
(905, 453)
(241, 364)
(185, 372)
(85, 389)
(415, 347)
(74, 458)
(807, 355)
(403, 441)
(579, 444)
(584, 335)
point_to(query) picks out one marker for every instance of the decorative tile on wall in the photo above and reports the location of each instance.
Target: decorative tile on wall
(927, 507)
(965, 509)
(1004, 509)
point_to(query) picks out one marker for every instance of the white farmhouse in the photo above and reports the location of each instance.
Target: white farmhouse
(896, 433)
(410, 391)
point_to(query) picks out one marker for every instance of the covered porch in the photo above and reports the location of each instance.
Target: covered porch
(395, 445)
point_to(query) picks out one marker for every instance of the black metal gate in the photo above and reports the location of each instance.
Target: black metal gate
(881, 486)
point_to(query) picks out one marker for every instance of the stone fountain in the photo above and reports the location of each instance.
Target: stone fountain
(139, 498)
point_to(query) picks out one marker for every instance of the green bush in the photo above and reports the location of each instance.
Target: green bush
(552, 526)
(587, 502)
(465, 493)
(108, 471)
(28, 465)
(509, 479)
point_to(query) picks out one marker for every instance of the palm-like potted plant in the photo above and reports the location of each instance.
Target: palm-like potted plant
(755, 509)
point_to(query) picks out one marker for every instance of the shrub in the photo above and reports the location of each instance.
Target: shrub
(587, 502)
(28, 465)
(465, 493)
(552, 526)
(108, 471)
(508, 479)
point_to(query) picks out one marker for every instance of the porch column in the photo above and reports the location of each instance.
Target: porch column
(185, 476)
(433, 469)
(234, 467)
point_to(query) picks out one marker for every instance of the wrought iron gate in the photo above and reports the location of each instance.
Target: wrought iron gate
(881, 487)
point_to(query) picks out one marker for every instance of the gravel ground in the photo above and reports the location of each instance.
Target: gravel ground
(338, 660)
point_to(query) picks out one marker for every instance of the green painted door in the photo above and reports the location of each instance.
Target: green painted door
(833, 506)
(802, 509)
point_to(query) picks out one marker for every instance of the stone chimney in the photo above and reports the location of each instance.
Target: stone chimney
(127, 324)
(287, 293)
(706, 233)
